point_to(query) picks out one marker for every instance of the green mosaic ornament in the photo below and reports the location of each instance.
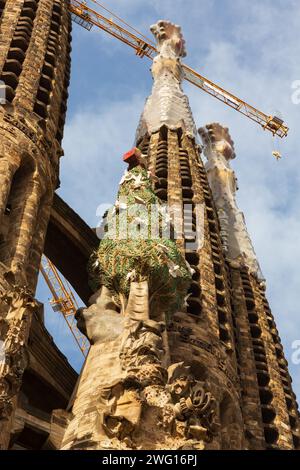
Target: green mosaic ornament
(128, 253)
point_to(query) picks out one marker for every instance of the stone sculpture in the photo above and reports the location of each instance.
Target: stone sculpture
(16, 309)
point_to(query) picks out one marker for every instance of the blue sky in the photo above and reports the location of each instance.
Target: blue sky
(251, 49)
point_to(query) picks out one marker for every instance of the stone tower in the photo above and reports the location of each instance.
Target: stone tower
(210, 374)
(34, 72)
(270, 411)
(184, 349)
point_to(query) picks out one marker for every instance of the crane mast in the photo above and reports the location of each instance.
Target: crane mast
(87, 18)
(63, 301)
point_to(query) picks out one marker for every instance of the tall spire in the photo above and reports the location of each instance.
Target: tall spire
(167, 104)
(219, 150)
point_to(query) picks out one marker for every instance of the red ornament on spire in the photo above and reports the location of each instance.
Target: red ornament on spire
(132, 157)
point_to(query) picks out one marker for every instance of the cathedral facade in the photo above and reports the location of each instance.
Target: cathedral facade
(184, 352)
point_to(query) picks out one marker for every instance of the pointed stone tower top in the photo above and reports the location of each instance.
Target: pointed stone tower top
(167, 105)
(170, 42)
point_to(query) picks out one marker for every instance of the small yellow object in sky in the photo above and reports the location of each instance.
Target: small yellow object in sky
(276, 154)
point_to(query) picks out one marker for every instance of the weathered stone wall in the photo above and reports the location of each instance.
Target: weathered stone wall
(269, 407)
(250, 399)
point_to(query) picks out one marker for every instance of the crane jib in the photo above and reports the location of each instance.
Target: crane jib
(87, 18)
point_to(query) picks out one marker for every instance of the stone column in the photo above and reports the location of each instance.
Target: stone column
(22, 242)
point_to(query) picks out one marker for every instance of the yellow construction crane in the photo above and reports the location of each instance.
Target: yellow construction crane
(86, 17)
(63, 301)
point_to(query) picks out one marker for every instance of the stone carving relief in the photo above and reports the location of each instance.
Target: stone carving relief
(219, 150)
(16, 308)
(138, 365)
(142, 352)
(34, 132)
(194, 407)
(100, 322)
(139, 388)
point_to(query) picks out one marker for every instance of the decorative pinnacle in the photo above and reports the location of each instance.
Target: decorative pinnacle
(167, 105)
(216, 138)
(170, 42)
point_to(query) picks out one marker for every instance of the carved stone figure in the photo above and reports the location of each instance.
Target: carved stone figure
(100, 322)
(119, 411)
(130, 347)
(142, 352)
(193, 404)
